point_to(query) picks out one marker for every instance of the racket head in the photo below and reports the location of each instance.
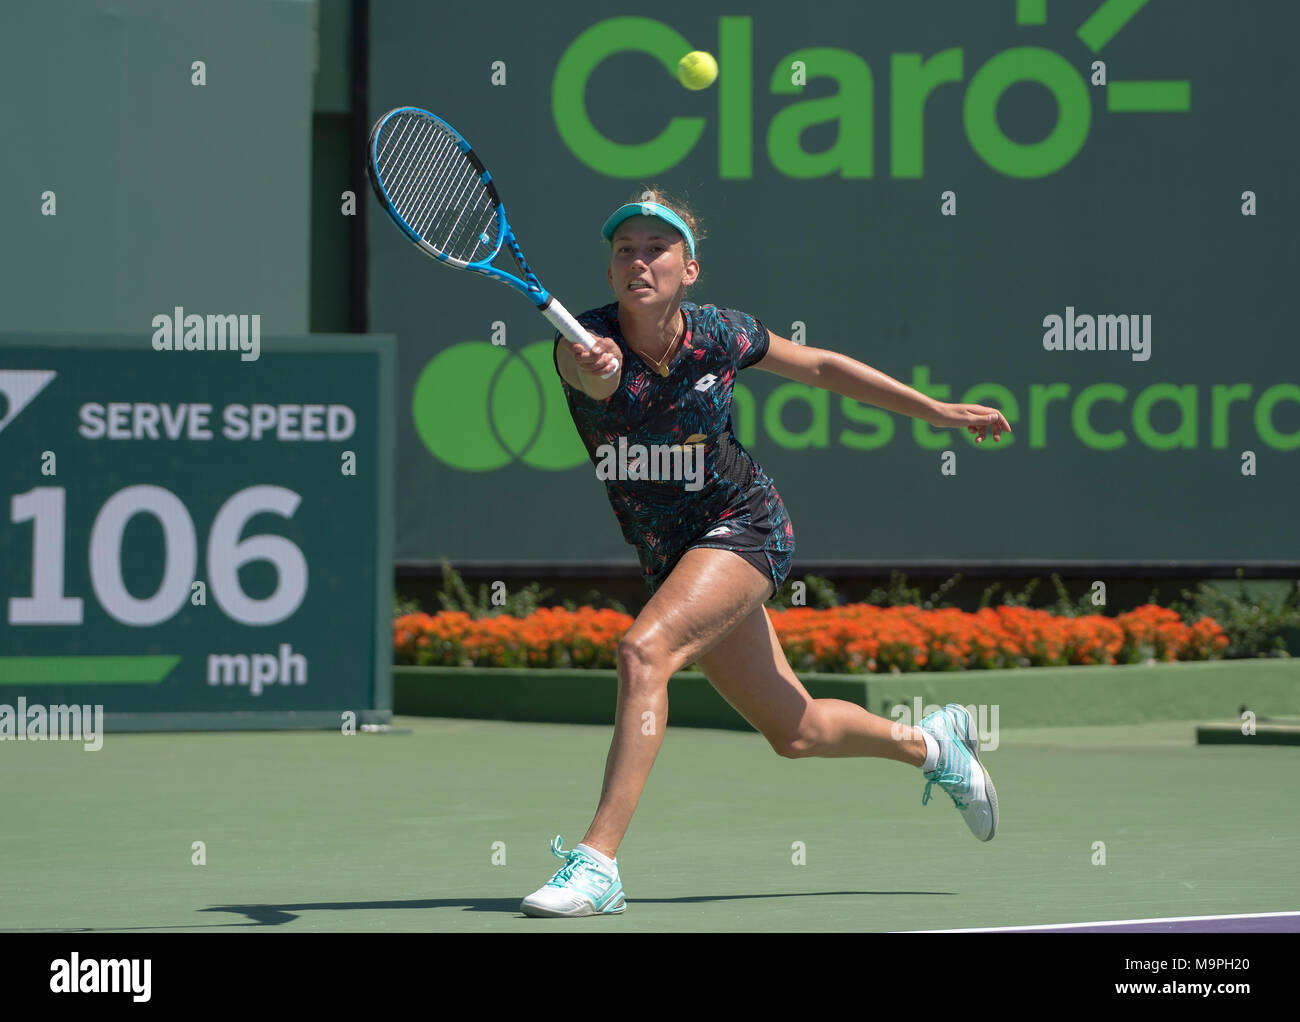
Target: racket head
(435, 188)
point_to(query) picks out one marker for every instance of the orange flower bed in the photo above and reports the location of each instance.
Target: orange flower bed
(854, 639)
(550, 637)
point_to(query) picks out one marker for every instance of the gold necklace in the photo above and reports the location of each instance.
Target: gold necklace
(661, 368)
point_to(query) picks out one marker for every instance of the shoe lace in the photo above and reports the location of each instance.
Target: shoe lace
(575, 864)
(944, 780)
(566, 872)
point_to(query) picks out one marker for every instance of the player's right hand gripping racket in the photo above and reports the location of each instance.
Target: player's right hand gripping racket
(442, 197)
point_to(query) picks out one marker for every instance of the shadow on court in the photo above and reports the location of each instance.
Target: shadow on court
(277, 915)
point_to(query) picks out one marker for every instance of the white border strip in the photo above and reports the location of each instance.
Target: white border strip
(1110, 922)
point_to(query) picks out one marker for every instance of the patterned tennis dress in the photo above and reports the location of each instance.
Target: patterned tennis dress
(726, 501)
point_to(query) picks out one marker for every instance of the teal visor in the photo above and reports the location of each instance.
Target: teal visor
(648, 209)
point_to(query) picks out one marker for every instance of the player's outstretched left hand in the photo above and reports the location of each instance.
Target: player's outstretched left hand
(976, 418)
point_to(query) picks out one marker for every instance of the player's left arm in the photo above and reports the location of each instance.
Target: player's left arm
(829, 370)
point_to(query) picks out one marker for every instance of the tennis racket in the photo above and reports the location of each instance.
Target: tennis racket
(438, 192)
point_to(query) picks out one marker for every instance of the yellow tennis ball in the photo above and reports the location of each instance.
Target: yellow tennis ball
(697, 69)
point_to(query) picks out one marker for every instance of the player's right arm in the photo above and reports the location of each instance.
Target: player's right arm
(582, 368)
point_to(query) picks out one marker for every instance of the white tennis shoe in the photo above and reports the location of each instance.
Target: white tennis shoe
(583, 886)
(959, 771)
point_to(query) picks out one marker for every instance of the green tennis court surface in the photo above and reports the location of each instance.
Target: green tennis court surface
(317, 831)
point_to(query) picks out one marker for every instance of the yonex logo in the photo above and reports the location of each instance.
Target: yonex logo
(18, 389)
(721, 530)
(705, 382)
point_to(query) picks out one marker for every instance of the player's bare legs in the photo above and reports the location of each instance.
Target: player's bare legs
(710, 611)
(704, 597)
(750, 671)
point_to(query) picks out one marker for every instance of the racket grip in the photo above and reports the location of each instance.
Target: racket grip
(564, 322)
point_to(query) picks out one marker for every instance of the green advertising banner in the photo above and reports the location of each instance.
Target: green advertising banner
(1076, 212)
(196, 538)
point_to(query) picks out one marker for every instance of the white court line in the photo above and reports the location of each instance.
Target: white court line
(1109, 922)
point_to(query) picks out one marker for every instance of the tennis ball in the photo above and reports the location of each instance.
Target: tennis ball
(697, 69)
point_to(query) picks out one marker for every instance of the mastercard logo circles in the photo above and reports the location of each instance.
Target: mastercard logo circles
(478, 407)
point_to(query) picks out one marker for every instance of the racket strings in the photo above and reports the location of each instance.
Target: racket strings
(420, 159)
(436, 189)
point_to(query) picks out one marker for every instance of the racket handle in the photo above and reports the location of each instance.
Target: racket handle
(564, 322)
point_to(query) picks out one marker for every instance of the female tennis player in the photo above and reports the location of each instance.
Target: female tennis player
(713, 551)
